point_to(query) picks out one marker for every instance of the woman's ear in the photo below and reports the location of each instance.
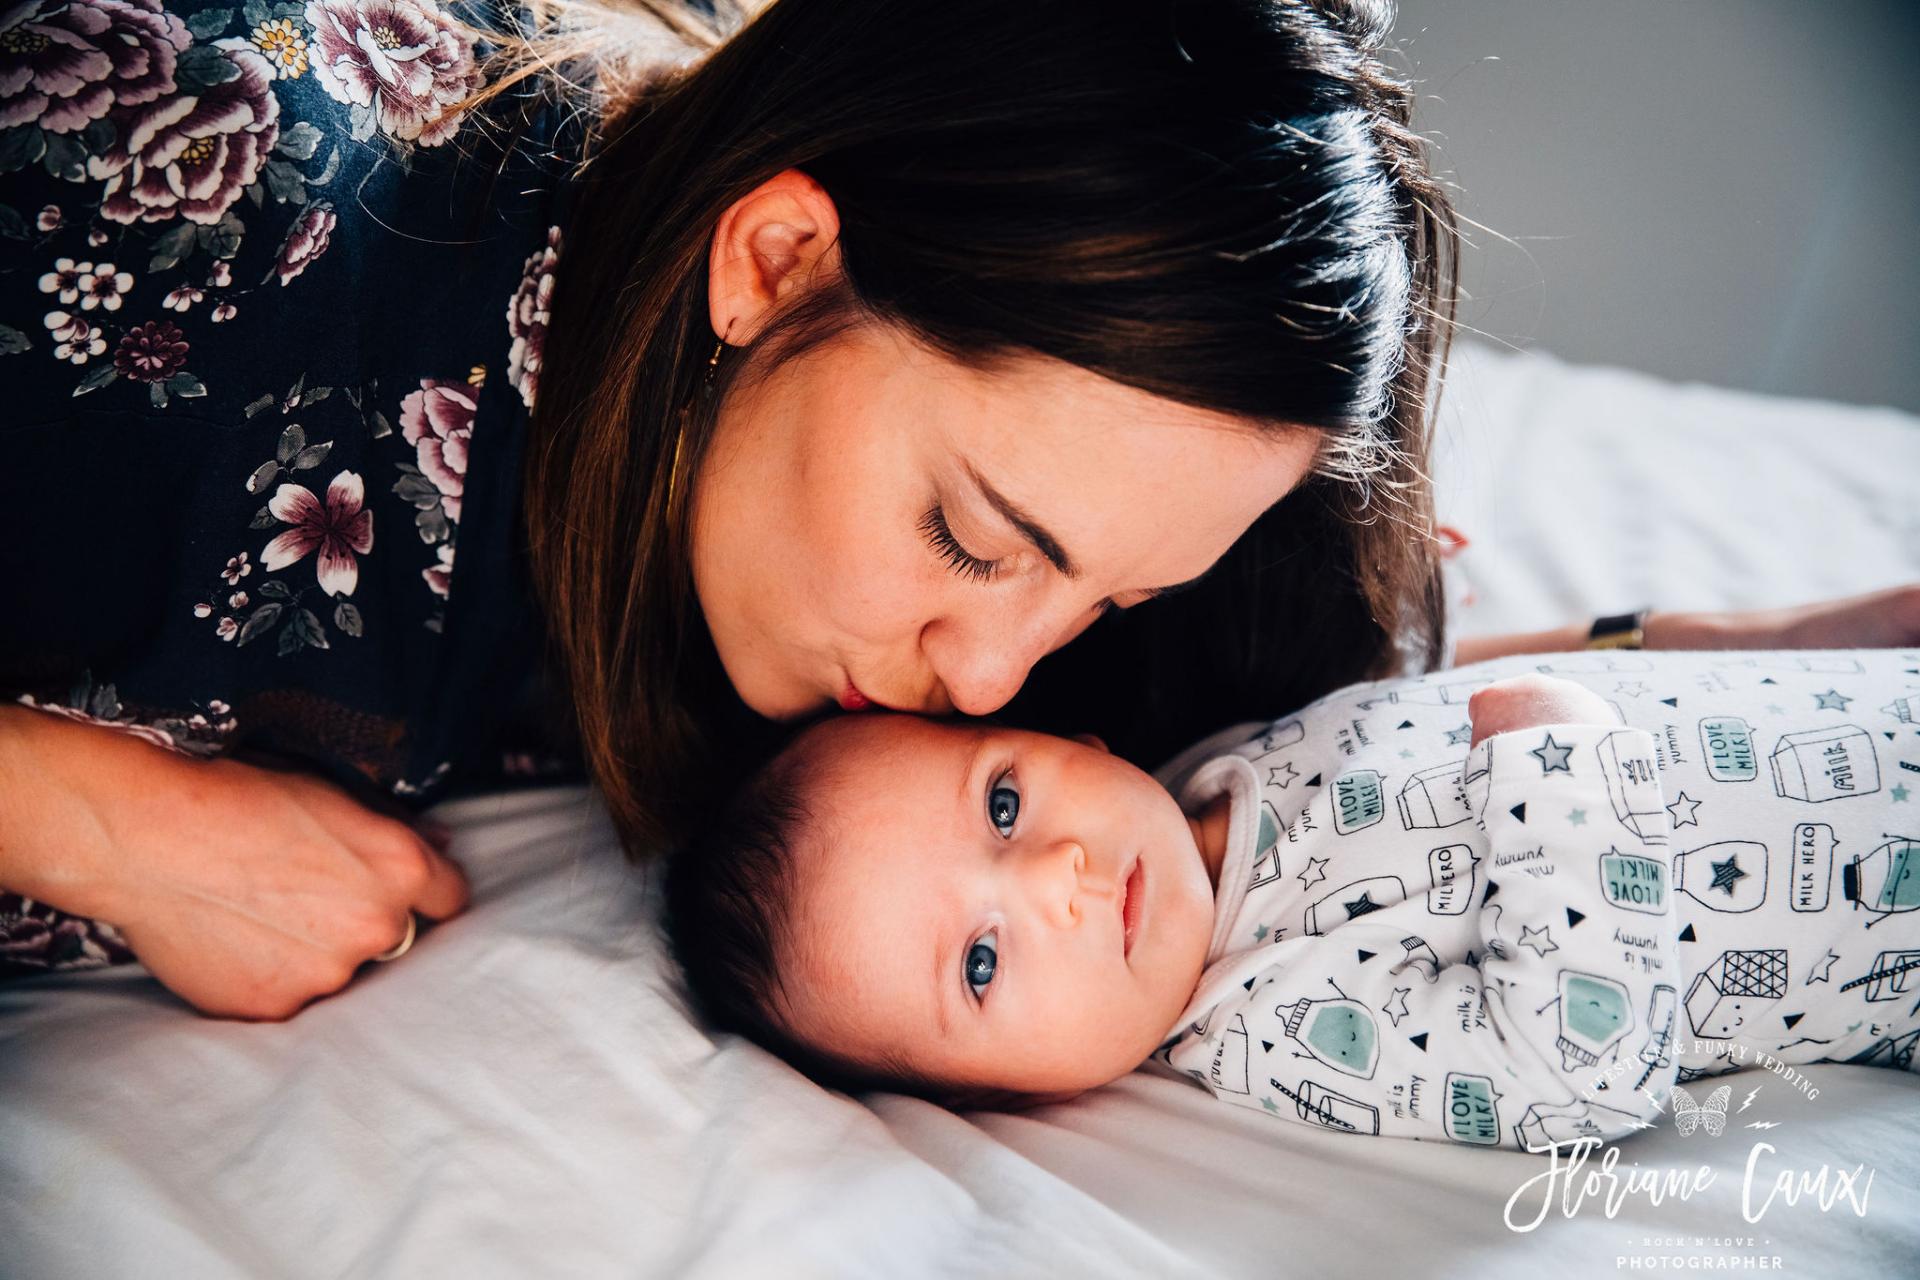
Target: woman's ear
(1093, 740)
(784, 231)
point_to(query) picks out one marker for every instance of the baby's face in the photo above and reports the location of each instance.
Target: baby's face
(959, 906)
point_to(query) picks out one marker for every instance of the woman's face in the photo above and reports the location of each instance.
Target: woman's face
(874, 524)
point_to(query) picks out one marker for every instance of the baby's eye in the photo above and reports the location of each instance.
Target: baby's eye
(1003, 805)
(983, 957)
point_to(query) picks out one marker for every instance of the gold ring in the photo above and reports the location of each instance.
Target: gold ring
(406, 941)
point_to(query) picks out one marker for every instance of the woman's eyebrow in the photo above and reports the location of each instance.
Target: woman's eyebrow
(1043, 542)
(1048, 545)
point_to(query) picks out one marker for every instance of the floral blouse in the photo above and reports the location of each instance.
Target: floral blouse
(270, 329)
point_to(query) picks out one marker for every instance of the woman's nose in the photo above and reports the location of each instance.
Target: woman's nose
(983, 661)
(1051, 875)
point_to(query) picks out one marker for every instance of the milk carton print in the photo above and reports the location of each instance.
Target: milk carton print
(1537, 940)
(1826, 764)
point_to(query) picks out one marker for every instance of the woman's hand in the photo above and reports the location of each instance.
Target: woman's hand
(247, 891)
(1886, 619)
(1526, 702)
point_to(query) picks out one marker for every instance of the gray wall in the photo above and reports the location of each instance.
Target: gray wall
(1723, 191)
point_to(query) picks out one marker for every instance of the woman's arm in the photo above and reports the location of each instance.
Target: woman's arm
(247, 891)
(1877, 620)
(49, 849)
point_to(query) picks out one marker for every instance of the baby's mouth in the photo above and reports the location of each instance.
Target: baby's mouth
(1132, 900)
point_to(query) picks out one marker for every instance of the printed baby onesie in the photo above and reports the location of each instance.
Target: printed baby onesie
(1532, 942)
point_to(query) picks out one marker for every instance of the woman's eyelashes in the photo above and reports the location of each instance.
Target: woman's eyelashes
(940, 537)
(983, 959)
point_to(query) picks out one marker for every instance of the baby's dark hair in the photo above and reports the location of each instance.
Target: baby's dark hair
(729, 893)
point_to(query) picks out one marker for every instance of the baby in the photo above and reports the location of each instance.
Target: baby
(1472, 907)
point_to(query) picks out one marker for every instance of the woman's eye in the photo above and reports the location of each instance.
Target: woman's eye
(1003, 807)
(940, 537)
(983, 957)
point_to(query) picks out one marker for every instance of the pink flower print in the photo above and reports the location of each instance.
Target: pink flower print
(82, 347)
(50, 218)
(64, 279)
(191, 154)
(182, 298)
(224, 312)
(238, 600)
(219, 276)
(203, 610)
(78, 341)
(440, 576)
(528, 312)
(226, 628)
(63, 66)
(237, 568)
(153, 352)
(96, 236)
(404, 60)
(102, 287)
(438, 421)
(337, 528)
(306, 240)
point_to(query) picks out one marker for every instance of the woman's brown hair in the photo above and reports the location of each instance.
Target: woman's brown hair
(1220, 202)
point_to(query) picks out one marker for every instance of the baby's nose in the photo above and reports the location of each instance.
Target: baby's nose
(1053, 876)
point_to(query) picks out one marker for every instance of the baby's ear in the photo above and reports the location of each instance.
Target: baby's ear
(1093, 740)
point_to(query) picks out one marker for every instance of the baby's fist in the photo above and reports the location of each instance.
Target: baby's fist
(1526, 702)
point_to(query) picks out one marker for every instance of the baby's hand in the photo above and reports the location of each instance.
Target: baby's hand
(1525, 702)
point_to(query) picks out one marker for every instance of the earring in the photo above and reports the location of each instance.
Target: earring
(680, 431)
(673, 473)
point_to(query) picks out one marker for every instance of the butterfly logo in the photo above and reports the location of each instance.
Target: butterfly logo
(1710, 1115)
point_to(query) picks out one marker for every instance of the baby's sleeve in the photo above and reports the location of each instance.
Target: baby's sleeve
(1558, 1026)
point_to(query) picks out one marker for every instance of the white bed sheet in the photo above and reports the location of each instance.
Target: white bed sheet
(525, 1096)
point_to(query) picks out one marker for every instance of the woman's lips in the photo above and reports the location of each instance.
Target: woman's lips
(1132, 902)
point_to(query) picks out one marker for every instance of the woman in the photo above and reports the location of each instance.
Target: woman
(1028, 314)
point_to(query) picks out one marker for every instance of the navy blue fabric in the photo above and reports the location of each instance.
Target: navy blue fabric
(306, 296)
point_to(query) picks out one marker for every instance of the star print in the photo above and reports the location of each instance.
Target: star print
(1578, 817)
(1532, 937)
(1406, 754)
(1819, 974)
(1552, 756)
(1832, 700)
(1260, 934)
(1396, 1008)
(1313, 875)
(1268, 1104)
(1361, 905)
(1899, 793)
(1773, 710)
(1726, 873)
(1460, 737)
(1689, 805)
(1632, 688)
(1275, 778)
